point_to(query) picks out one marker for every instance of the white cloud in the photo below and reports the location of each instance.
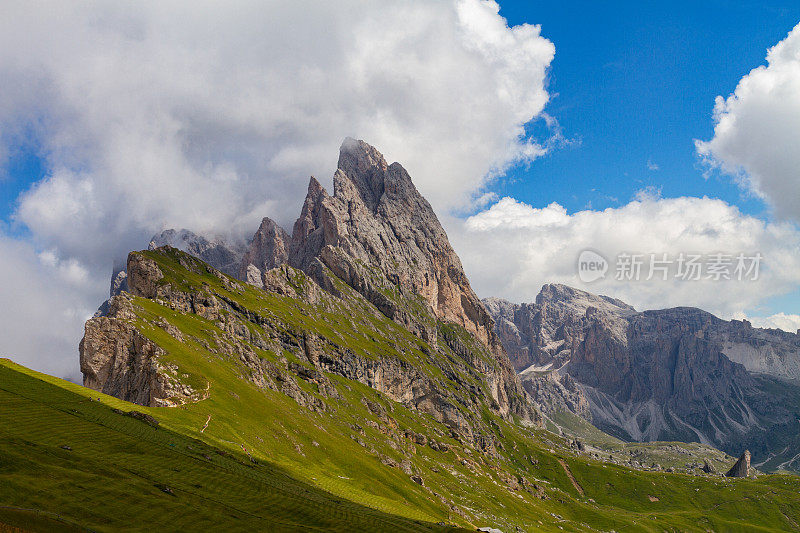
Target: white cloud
(45, 302)
(211, 115)
(509, 214)
(756, 134)
(782, 321)
(511, 249)
(482, 200)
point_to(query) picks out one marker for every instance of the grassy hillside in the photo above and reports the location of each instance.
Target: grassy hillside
(69, 462)
(249, 456)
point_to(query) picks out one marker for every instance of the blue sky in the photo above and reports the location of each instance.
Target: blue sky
(635, 82)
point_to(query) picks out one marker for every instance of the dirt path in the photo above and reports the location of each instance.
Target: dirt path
(571, 477)
(206, 424)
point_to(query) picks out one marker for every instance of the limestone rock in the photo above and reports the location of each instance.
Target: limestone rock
(545, 333)
(117, 359)
(742, 467)
(377, 218)
(381, 237)
(554, 392)
(374, 246)
(268, 249)
(654, 375)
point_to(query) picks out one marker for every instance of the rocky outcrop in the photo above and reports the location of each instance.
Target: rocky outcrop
(268, 249)
(222, 255)
(374, 246)
(117, 359)
(742, 467)
(376, 224)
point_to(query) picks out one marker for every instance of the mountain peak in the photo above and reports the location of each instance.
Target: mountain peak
(382, 238)
(377, 218)
(579, 301)
(357, 156)
(268, 249)
(314, 187)
(362, 170)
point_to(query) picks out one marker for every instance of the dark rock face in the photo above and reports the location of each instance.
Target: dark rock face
(771, 352)
(541, 337)
(554, 392)
(268, 249)
(655, 375)
(546, 332)
(742, 467)
(673, 381)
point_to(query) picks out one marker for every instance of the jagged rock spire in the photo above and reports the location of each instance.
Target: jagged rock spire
(376, 219)
(742, 467)
(268, 249)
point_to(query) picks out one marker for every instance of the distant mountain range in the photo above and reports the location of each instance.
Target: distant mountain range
(671, 374)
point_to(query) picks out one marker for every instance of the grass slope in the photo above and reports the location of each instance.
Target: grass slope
(326, 470)
(69, 462)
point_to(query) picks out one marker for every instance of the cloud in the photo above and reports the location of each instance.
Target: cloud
(542, 245)
(45, 302)
(782, 321)
(211, 115)
(756, 133)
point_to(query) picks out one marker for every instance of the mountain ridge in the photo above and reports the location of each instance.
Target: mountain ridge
(375, 239)
(662, 374)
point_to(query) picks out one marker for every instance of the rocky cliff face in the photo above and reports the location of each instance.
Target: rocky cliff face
(119, 359)
(772, 352)
(545, 333)
(377, 219)
(374, 246)
(268, 249)
(657, 375)
(380, 236)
